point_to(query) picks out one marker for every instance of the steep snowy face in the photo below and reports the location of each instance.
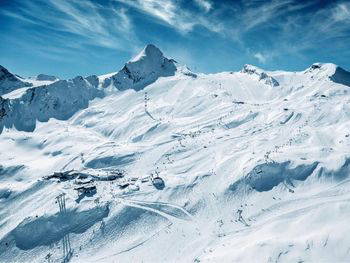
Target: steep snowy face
(142, 70)
(260, 75)
(10, 82)
(329, 71)
(58, 100)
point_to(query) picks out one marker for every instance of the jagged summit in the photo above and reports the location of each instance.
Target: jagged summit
(143, 69)
(331, 71)
(263, 76)
(149, 52)
(250, 69)
(10, 82)
(4, 73)
(322, 66)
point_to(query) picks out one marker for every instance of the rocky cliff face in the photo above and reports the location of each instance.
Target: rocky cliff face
(10, 82)
(142, 70)
(260, 75)
(58, 100)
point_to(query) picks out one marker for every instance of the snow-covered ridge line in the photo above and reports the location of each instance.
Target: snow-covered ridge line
(58, 100)
(10, 82)
(331, 71)
(20, 107)
(262, 76)
(142, 70)
(27, 100)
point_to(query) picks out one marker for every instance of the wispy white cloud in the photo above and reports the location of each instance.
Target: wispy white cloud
(95, 24)
(284, 26)
(341, 12)
(164, 10)
(312, 29)
(292, 27)
(204, 4)
(170, 13)
(255, 14)
(260, 57)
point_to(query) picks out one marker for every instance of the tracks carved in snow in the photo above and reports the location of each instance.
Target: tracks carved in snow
(170, 211)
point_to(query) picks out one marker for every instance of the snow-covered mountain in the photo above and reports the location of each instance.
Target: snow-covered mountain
(159, 164)
(10, 82)
(142, 70)
(44, 77)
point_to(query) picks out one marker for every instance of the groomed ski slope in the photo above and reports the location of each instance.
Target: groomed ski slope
(255, 166)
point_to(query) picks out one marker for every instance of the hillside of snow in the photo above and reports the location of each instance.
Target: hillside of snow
(154, 163)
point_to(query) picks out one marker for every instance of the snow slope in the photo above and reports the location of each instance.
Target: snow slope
(249, 166)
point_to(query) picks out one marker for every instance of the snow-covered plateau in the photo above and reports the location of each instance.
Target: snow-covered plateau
(155, 163)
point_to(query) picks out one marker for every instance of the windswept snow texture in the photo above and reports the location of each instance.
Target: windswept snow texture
(165, 165)
(33, 232)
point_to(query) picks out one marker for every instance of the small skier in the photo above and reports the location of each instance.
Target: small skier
(240, 217)
(239, 213)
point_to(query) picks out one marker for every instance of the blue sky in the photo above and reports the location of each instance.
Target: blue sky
(83, 37)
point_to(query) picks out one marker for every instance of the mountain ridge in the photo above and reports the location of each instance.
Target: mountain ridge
(142, 70)
(188, 168)
(10, 82)
(146, 67)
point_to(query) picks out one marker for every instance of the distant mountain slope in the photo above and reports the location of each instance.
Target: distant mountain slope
(10, 82)
(58, 100)
(332, 71)
(159, 164)
(44, 77)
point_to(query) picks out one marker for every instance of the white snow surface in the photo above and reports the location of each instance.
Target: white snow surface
(249, 166)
